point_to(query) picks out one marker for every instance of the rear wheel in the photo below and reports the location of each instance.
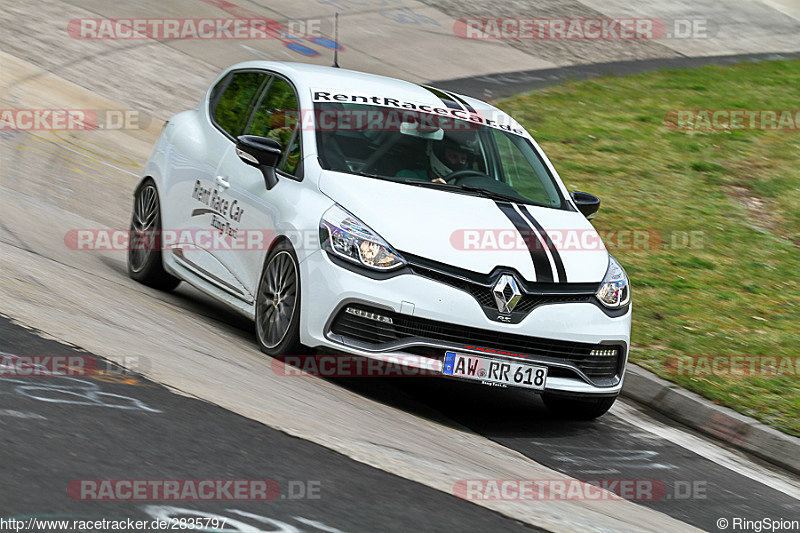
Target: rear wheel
(578, 409)
(144, 243)
(278, 303)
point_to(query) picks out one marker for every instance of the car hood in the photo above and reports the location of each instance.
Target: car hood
(472, 232)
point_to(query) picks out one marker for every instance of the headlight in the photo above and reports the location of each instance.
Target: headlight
(345, 236)
(615, 291)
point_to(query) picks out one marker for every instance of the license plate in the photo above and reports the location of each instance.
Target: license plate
(494, 371)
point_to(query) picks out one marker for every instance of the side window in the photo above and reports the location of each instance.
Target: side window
(232, 106)
(276, 117)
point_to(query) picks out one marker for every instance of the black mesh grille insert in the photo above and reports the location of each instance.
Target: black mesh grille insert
(484, 296)
(601, 369)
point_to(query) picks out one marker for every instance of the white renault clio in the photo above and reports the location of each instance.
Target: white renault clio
(385, 219)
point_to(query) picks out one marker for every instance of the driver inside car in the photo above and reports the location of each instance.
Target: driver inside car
(445, 157)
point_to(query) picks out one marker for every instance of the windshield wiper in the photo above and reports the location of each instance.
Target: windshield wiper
(419, 183)
(431, 184)
(368, 175)
(492, 194)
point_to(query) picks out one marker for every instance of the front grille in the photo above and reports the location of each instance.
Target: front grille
(531, 299)
(415, 333)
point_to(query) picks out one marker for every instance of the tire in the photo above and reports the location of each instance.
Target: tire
(144, 250)
(278, 303)
(575, 409)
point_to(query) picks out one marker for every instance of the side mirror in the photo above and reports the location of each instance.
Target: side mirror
(588, 204)
(262, 153)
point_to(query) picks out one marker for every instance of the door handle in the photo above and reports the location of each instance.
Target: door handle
(222, 182)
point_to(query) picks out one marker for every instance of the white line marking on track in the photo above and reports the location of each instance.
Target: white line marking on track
(736, 462)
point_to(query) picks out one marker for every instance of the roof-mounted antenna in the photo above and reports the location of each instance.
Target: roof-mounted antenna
(336, 40)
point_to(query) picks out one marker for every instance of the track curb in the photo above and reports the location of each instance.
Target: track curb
(711, 419)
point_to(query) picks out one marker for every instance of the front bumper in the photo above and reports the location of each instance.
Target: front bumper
(430, 317)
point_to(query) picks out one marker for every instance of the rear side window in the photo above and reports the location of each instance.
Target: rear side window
(232, 105)
(276, 117)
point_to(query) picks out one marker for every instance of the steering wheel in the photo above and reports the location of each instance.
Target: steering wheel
(455, 176)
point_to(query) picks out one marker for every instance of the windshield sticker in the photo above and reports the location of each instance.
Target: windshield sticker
(498, 120)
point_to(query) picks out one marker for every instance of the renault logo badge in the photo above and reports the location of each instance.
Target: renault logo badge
(506, 293)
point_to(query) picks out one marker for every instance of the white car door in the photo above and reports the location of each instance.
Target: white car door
(198, 193)
(257, 210)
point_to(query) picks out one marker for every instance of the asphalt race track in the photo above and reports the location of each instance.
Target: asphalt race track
(194, 399)
(59, 429)
(146, 431)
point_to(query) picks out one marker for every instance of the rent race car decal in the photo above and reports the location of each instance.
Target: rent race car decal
(498, 120)
(223, 210)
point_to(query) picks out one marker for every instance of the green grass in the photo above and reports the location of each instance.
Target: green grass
(734, 289)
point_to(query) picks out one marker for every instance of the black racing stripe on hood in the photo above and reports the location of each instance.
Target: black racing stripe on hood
(562, 273)
(441, 95)
(541, 263)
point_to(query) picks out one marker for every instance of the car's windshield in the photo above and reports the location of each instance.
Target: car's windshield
(432, 150)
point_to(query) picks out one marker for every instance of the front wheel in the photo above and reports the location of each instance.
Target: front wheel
(578, 409)
(278, 303)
